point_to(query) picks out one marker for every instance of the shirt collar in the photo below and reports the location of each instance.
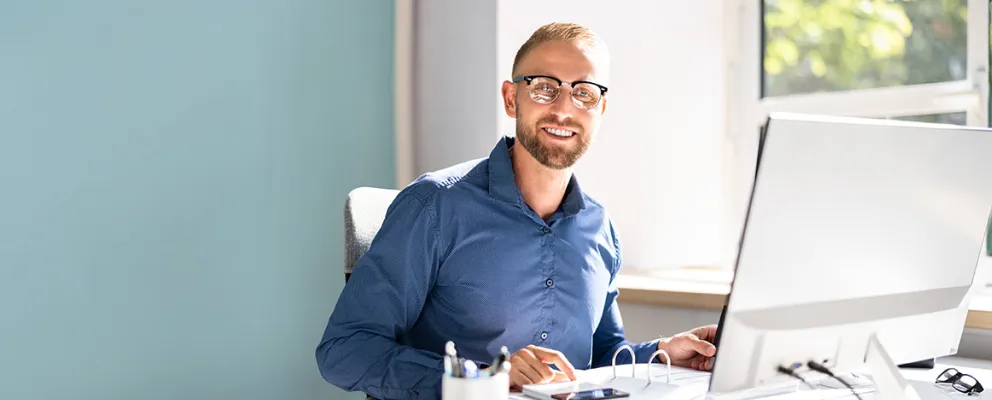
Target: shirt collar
(502, 185)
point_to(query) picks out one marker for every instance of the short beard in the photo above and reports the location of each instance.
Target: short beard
(547, 156)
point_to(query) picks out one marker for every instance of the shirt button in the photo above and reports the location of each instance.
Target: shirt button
(546, 230)
(544, 335)
(549, 282)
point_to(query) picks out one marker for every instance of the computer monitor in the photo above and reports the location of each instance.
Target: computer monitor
(859, 248)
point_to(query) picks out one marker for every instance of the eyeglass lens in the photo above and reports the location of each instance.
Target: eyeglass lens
(546, 90)
(947, 375)
(961, 382)
(964, 383)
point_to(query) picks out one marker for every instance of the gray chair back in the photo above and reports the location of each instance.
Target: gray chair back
(364, 211)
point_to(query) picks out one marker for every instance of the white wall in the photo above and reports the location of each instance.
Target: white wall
(644, 322)
(455, 86)
(657, 164)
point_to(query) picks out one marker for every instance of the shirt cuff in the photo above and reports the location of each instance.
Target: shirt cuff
(645, 349)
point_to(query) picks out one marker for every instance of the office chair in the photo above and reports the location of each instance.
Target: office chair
(364, 211)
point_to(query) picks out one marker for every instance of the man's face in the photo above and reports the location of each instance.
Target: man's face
(559, 133)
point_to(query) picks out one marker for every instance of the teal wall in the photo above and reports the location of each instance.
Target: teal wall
(172, 176)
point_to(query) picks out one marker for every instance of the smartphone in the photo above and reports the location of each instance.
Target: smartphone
(597, 394)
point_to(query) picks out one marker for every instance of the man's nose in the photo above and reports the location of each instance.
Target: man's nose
(563, 105)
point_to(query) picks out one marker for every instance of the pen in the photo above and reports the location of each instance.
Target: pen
(504, 367)
(470, 370)
(451, 365)
(504, 355)
(496, 366)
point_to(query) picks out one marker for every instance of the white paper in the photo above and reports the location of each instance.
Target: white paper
(685, 384)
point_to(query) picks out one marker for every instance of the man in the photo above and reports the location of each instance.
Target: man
(501, 251)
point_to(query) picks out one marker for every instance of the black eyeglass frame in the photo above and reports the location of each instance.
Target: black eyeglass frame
(529, 78)
(977, 388)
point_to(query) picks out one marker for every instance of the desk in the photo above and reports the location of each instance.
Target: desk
(922, 380)
(980, 369)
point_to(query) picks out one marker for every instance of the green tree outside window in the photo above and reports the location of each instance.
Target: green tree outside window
(830, 45)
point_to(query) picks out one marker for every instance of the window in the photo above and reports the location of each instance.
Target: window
(898, 59)
(837, 45)
(873, 58)
(958, 118)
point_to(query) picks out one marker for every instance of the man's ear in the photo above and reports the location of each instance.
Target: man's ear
(510, 99)
(603, 111)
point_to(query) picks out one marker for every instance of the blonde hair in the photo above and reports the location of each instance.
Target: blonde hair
(559, 31)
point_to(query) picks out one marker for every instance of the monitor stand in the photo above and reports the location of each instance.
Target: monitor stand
(922, 364)
(889, 382)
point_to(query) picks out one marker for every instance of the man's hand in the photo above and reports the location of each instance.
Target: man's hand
(529, 365)
(693, 349)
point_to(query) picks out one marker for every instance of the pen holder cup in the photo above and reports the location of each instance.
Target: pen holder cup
(496, 387)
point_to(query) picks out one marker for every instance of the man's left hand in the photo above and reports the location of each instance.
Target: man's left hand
(693, 349)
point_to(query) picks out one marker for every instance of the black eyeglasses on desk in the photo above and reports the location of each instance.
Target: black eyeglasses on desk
(963, 383)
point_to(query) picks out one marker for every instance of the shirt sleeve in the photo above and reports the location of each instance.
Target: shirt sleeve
(381, 301)
(610, 336)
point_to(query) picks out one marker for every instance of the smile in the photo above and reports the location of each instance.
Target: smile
(559, 132)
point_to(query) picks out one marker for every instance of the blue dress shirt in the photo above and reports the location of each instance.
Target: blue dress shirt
(461, 257)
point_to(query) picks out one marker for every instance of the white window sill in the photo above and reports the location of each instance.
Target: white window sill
(707, 288)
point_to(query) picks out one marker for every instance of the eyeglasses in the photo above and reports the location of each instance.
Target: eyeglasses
(545, 89)
(963, 383)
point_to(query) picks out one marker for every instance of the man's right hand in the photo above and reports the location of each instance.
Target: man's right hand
(529, 365)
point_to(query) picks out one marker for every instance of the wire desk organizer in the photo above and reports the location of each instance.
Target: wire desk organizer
(636, 385)
(633, 363)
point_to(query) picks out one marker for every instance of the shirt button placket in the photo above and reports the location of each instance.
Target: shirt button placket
(549, 283)
(548, 269)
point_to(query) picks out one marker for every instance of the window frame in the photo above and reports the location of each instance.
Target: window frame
(746, 110)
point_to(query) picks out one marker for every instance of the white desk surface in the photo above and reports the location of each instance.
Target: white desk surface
(980, 369)
(922, 380)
